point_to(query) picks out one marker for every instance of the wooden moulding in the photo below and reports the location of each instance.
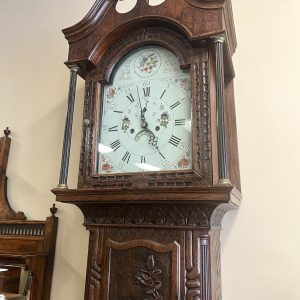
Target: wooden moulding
(226, 194)
(195, 19)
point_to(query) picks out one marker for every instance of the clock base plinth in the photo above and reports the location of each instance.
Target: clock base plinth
(149, 248)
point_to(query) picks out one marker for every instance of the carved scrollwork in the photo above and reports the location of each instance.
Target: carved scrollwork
(157, 215)
(95, 263)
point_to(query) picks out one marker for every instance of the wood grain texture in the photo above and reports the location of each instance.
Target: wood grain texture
(155, 235)
(26, 243)
(204, 172)
(196, 19)
(6, 212)
(31, 244)
(133, 264)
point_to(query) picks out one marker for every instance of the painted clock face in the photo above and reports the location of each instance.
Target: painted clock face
(146, 115)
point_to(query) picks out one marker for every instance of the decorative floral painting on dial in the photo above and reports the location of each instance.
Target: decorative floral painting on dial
(111, 93)
(147, 63)
(106, 166)
(146, 123)
(185, 161)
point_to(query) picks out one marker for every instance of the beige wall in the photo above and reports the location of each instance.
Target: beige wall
(260, 242)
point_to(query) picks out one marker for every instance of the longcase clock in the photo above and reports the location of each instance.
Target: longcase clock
(159, 160)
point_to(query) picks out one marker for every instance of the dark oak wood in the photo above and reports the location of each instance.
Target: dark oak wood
(6, 211)
(155, 235)
(26, 243)
(11, 280)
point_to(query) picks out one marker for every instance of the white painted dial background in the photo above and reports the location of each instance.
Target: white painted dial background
(148, 79)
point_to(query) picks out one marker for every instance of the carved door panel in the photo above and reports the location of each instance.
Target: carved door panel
(141, 269)
(137, 264)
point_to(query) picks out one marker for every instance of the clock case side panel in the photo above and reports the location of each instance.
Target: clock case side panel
(231, 133)
(194, 56)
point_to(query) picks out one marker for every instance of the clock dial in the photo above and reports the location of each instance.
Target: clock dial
(146, 115)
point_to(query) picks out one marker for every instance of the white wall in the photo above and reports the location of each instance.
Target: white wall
(260, 248)
(260, 242)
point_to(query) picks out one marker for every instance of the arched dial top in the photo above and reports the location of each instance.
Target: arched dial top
(146, 115)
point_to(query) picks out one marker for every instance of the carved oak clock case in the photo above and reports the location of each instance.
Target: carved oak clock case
(159, 161)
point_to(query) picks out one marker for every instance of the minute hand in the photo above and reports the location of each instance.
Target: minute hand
(142, 113)
(144, 124)
(153, 141)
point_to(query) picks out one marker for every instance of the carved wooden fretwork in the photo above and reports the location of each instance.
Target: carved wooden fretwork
(151, 214)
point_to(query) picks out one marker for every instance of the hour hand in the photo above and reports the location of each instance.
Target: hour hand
(144, 124)
(142, 110)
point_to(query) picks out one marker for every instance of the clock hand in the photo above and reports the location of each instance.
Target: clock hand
(152, 139)
(137, 90)
(144, 124)
(154, 143)
(160, 153)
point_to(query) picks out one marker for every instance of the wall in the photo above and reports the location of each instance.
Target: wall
(260, 258)
(261, 242)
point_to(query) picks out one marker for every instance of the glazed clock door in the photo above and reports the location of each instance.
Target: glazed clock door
(146, 115)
